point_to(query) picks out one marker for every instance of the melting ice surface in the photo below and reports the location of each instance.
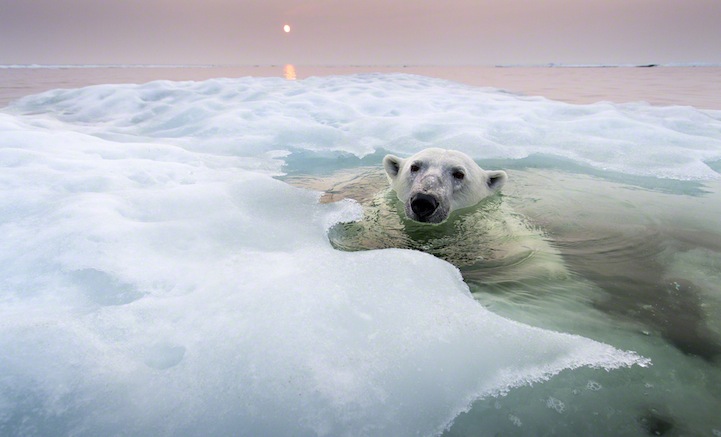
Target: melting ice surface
(155, 279)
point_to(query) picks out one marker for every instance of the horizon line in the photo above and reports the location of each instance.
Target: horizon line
(514, 65)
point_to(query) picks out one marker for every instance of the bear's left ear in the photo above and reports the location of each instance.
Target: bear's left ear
(392, 165)
(496, 179)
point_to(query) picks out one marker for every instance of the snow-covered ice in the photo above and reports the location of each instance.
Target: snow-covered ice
(156, 279)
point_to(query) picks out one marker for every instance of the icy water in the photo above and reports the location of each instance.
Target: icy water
(162, 273)
(643, 264)
(686, 86)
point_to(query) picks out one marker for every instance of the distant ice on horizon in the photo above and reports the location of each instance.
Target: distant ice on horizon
(549, 64)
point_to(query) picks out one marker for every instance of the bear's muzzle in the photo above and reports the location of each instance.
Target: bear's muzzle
(424, 206)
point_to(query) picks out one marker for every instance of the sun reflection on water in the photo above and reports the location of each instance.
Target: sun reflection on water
(289, 72)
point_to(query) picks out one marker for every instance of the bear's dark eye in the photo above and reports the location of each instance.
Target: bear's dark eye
(415, 168)
(457, 174)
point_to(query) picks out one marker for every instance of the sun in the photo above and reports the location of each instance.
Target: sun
(286, 28)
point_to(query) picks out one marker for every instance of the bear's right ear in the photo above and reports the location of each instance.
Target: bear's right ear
(392, 165)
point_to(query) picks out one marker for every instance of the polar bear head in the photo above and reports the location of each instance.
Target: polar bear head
(434, 182)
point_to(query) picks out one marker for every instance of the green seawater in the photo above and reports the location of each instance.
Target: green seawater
(642, 271)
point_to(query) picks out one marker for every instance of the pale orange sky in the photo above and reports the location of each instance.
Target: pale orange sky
(360, 32)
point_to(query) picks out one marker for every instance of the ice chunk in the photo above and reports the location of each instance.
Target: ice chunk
(156, 279)
(400, 113)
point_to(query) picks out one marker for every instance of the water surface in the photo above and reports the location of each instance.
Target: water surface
(642, 273)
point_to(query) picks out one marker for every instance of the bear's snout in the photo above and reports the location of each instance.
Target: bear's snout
(423, 206)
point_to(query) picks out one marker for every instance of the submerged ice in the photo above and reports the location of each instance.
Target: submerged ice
(156, 279)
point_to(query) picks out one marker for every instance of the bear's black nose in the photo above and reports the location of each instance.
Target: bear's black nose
(423, 206)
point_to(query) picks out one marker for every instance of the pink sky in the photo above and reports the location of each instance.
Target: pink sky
(360, 32)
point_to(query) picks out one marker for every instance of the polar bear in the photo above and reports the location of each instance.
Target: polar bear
(440, 202)
(435, 182)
